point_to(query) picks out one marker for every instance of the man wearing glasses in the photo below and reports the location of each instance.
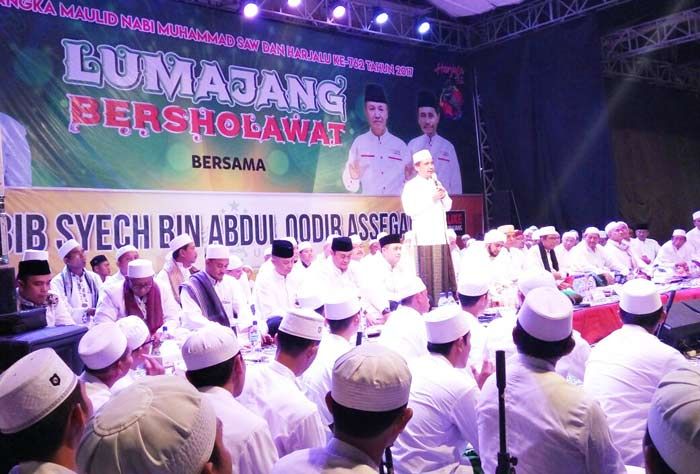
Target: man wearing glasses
(542, 256)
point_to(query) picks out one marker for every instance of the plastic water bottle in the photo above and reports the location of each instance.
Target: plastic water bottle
(450, 298)
(254, 337)
(442, 300)
(165, 335)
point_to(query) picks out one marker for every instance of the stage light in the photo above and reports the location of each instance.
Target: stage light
(338, 10)
(250, 10)
(293, 3)
(423, 26)
(381, 17)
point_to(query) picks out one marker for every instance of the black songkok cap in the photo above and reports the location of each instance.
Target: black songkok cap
(642, 226)
(282, 249)
(342, 244)
(97, 259)
(29, 268)
(374, 93)
(390, 239)
(427, 99)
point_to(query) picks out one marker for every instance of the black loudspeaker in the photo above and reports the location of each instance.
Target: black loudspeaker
(682, 327)
(63, 339)
(8, 295)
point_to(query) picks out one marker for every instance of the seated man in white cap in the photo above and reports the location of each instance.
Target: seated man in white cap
(625, 368)
(618, 248)
(357, 251)
(211, 296)
(589, 256)
(542, 255)
(676, 252)
(236, 270)
(514, 247)
(216, 368)
(569, 239)
(551, 425)
(141, 295)
(404, 331)
(473, 297)
(490, 258)
(672, 437)
(159, 424)
(276, 288)
(33, 289)
(139, 342)
(442, 398)
(693, 234)
(369, 402)
(306, 256)
(179, 264)
(78, 286)
(342, 312)
(107, 358)
(273, 390)
(124, 255)
(43, 410)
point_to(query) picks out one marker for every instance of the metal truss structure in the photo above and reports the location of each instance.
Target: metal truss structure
(486, 164)
(661, 73)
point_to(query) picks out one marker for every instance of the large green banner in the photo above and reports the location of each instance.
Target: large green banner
(162, 95)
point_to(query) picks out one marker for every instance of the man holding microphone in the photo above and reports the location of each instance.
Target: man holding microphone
(426, 201)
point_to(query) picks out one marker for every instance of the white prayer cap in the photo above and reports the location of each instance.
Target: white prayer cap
(547, 230)
(696, 215)
(140, 268)
(611, 226)
(102, 345)
(268, 251)
(341, 305)
(639, 296)
(602, 234)
(591, 230)
(304, 245)
(329, 239)
(302, 322)
(530, 229)
(180, 241)
(546, 314)
(135, 330)
(570, 233)
(67, 247)
(356, 240)
(530, 280)
(466, 237)
(678, 233)
(494, 236)
(216, 251)
(309, 298)
(409, 286)
(506, 229)
(158, 424)
(291, 240)
(32, 388)
(674, 420)
(234, 262)
(446, 323)
(35, 255)
(421, 155)
(124, 249)
(208, 346)
(473, 284)
(371, 378)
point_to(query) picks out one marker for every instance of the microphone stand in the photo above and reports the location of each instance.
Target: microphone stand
(388, 462)
(506, 462)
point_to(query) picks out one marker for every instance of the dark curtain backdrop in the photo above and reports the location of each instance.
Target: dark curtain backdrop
(545, 111)
(656, 145)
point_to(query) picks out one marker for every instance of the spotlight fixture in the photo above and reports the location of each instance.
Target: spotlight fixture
(380, 17)
(293, 3)
(338, 10)
(251, 10)
(423, 26)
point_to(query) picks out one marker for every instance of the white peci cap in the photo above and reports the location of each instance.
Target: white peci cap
(35, 255)
(32, 388)
(639, 297)
(446, 323)
(234, 262)
(602, 234)
(306, 245)
(494, 236)
(309, 298)
(216, 251)
(158, 424)
(530, 280)
(506, 228)
(678, 233)
(140, 268)
(102, 345)
(304, 323)
(409, 286)
(570, 233)
(180, 241)
(591, 230)
(372, 378)
(696, 215)
(124, 249)
(611, 226)
(547, 230)
(67, 247)
(547, 315)
(355, 239)
(208, 346)
(135, 330)
(421, 155)
(473, 284)
(342, 305)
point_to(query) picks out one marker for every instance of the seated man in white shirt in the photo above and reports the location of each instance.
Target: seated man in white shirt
(211, 296)
(366, 425)
(568, 240)
(644, 248)
(100, 265)
(589, 256)
(43, 411)
(179, 264)
(404, 331)
(473, 294)
(276, 288)
(342, 311)
(215, 366)
(382, 276)
(490, 258)
(677, 253)
(693, 234)
(124, 255)
(140, 342)
(618, 248)
(33, 283)
(442, 398)
(625, 368)
(79, 287)
(107, 358)
(141, 295)
(306, 256)
(542, 255)
(273, 390)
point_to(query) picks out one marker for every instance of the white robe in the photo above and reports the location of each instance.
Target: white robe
(404, 332)
(337, 457)
(229, 294)
(428, 220)
(274, 293)
(77, 302)
(669, 255)
(97, 391)
(583, 259)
